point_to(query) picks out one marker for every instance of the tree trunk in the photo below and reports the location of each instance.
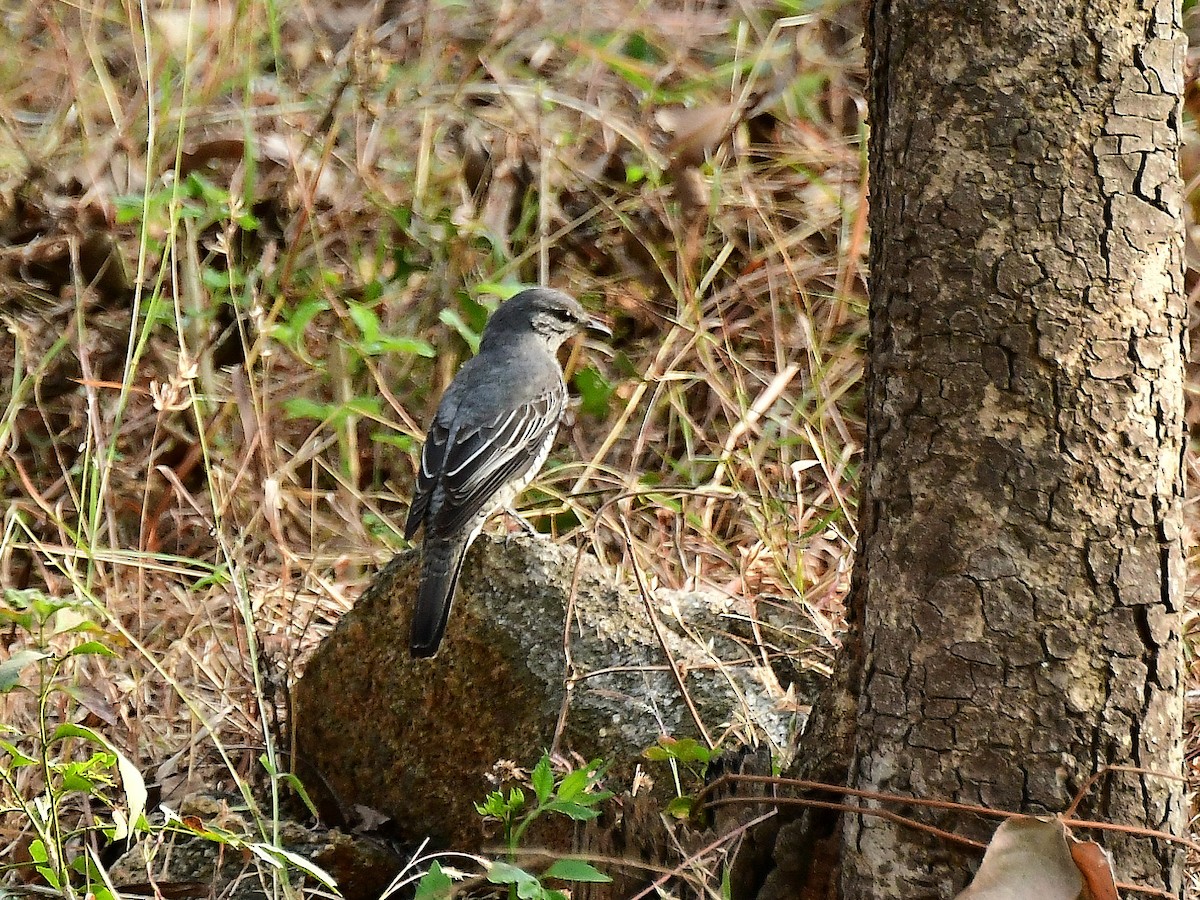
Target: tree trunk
(1020, 572)
(1021, 558)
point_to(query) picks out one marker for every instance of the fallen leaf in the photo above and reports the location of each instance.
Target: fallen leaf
(697, 131)
(1027, 857)
(1096, 866)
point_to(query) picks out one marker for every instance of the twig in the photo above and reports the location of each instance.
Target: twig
(948, 805)
(709, 848)
(658, 632)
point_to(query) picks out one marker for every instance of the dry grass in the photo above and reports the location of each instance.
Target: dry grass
(316, 201)
(243, 252)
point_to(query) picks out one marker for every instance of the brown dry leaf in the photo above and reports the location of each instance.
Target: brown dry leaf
(760, 570)
(474, 146)
(691, 190)
(369, 819)
(96, 703)
(220, 149)
(511, 177)
(194, 24)
(697, 131)
(1027, 857)
(1097, 868)
(287, 152)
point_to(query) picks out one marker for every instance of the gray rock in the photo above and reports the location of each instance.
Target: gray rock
(415, 739)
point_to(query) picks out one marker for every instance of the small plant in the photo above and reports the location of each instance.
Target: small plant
(88, 788)
(76, 790)
(692, 756)
(576, 795)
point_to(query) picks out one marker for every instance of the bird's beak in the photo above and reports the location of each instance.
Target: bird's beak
(598, 329)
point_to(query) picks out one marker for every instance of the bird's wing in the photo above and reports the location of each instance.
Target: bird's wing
(433, 459)
(472, 462)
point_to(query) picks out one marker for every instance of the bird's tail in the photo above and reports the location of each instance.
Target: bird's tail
(441, 563)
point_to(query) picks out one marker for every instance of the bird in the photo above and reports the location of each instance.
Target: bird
(491, 434)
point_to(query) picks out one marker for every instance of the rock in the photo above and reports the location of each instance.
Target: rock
(415, 739)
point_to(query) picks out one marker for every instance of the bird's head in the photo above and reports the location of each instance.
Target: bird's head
(551, 315)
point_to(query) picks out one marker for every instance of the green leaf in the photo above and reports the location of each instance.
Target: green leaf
(292, 331)
(216, 281)
(516, 799)
(95, 880)
(218, 577)
(573, 810)
(573, 784)
(370, 407)
(631, 70)
(595, 392)
(83, 865)
(575, 870)
(50, 877)
(465, 331)
(687, 750)
(406, 443)
(23, 620)
(505, 873)
(44, 607)
(334, 414)
(306, 408)
(21, 599)
(681, 807)
(37, 852)
(366, 320)
(501, 289)
(75, 780)
(201, 188)
(307, 866)
(71, 620)
(19, 759)
(10, 669)
(129, 209)
(92, 648)
(542, 779)
(70, 729)
(296, 785)
(493, 805)
(691, 750)
(638, 46)
(407, 345)
(434, 884)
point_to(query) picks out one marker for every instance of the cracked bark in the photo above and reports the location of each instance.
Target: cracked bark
(1021, 563)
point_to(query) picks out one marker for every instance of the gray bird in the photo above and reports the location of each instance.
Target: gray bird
(492, 432)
